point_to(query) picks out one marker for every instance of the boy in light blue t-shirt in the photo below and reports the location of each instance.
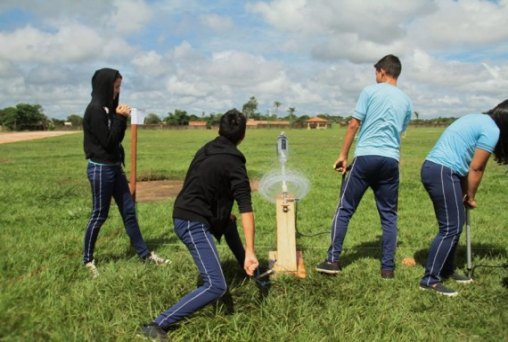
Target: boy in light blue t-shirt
(383, 111)
(451, 175)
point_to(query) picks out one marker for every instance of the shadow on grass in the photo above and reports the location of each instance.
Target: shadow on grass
(369, 249)
(235, 278)
(153, 245)
(478, 250)
(163, 239)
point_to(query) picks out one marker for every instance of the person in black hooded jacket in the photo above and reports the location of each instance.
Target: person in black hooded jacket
(215, 179)
(104, 125)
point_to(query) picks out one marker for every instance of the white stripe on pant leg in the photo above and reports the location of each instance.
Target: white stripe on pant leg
(93, 204)
(201, 261)
(447, 225)
(339, 207)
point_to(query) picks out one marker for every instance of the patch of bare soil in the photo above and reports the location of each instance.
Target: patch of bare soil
(164, 190)
(9, 137)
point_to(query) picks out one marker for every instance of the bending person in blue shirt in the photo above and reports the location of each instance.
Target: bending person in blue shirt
(451, 175)
(383, 111)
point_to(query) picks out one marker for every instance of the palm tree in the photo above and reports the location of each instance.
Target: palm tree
(277, 104)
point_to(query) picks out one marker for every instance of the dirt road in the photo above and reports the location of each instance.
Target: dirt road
(9, 137)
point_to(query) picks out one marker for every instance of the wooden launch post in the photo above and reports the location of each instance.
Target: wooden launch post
(287, 259)
(137, 118)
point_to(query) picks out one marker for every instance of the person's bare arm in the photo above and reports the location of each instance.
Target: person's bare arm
(341, 162)
(251, 262)
(474, 177)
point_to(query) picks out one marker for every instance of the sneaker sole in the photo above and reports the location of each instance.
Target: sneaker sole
(469, 281)
(452, 294)
(320, 270)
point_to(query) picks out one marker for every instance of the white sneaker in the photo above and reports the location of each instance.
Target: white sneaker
(157, 260)
(93, 269)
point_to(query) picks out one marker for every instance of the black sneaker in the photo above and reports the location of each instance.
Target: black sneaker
(460, 278)
(329, 267)
(440, 289)
(387, 274)
(154, 332)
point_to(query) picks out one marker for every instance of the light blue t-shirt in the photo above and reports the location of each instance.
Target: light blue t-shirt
(456, 146)
(384, 111)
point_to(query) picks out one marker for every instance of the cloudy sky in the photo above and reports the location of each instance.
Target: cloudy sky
(207, 56)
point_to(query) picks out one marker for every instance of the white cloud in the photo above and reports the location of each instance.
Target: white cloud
(208, 56)
(217, 23)
(461, 24)
(130, 16)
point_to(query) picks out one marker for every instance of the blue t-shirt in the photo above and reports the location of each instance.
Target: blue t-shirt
(384, 111)
(456, 146)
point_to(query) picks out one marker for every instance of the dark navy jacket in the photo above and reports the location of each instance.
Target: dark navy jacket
(216, 178)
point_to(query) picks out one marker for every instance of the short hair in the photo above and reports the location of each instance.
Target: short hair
(390, 64)
(500, 116)
(232, 126)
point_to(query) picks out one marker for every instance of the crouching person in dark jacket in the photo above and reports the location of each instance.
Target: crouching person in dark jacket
(216, 178)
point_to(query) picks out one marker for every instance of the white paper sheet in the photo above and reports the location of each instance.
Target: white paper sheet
(137, 116)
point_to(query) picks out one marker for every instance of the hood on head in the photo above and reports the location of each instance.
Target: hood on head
(102, 88)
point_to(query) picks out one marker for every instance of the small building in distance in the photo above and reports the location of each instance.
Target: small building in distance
(317, 123)
(197, 124)
(251, 123)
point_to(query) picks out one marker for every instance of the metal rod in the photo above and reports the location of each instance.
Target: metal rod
(469, 262)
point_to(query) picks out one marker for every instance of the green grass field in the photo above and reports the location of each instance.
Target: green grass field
(47, 295)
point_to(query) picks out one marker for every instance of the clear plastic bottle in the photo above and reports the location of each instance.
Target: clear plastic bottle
(282, 148)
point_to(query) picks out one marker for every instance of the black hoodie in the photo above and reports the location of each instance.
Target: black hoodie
(216, 178)
(103, 128)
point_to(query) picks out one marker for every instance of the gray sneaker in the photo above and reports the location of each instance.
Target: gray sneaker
(440, 289)
(460, 278)
(157, 260)
(329, 267)
(387, 274)
(154, 332)
(93, 269)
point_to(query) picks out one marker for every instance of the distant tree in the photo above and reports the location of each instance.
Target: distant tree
(178, 118)
(292, 115)
(58, 122)
(417, 115)
(24, 117)
(277, 104)
(250, 107)
(8, 117)
(76, 120)
(213, 120)
(152, 119)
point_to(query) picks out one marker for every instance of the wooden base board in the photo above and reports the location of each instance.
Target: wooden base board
(300, 270)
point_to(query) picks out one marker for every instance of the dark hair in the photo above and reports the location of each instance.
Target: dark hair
(500, 116)
(390, 64)
(232, 126)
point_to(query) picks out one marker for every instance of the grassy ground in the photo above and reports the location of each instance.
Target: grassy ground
(47, 295)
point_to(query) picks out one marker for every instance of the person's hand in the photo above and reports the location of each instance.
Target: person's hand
(250, 264)
(340, 165)
(470, 202)
(123, 110)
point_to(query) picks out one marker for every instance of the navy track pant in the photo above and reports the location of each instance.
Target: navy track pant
(445, 190)
(382, 175)
(109, 181)
(199, 241)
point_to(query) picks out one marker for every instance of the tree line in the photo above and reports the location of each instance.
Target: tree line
(28, 117)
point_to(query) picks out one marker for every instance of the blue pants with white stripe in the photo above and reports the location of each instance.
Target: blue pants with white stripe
(382, 175)
(198, 239)
(445, 191)
(109, 181)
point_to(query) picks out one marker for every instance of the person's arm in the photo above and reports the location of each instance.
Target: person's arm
(341, 162)
(108, 137)
(251, 262)
(474, 177)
